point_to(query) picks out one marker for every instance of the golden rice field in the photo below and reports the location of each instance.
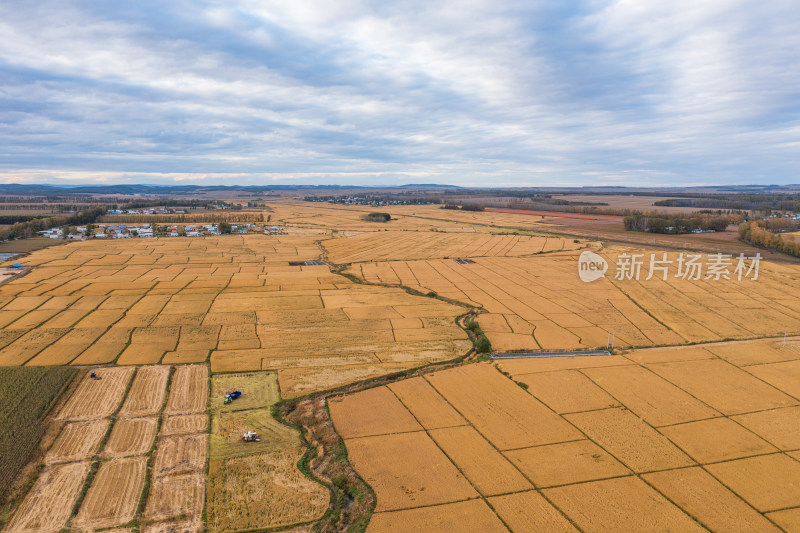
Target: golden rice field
(323, 216)
(233, 301)
(662, 439)
(539, 302)
(408, 245)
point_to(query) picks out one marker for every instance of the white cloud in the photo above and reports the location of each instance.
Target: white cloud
(458, 92)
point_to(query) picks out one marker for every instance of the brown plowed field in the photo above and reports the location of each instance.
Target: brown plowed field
(48, 505)
(97, 398)
(146, 395)
(189, 390)
(77, 441)
(114, 494)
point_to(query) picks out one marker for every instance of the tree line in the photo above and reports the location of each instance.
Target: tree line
(679, 222)
(756, 232)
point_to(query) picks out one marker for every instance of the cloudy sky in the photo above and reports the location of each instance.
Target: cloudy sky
(470, 92)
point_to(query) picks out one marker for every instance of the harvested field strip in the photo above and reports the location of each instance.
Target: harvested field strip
(184, 424)
(77, 441)
(97, 398)
(48, 505)
(179, 496)
(146, 395)
(180, 453)
(131, 436)
(114, 494)
(189, 390)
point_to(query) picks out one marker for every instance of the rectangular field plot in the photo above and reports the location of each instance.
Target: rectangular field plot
(48, 505)
(259, 390)
(427, 405)
(371, 412)
(626, 437)
(180, 453)
(722, 386)
(654, 399)
(623, 504)
(780, 427)
(184, 424)
(113, 495)
(189, 390)
(705, 498)
(567, 391)
(146, 395)
(77, 441)
(483, 465)
(717, 439)
(471, 515)
(97, 398)
(547, 466)
(767, 482)
(131, 436)
(177, 497)
(500, 410)
(529, 512)
(407, 470)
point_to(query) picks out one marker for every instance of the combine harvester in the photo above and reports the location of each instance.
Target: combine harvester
(231, 396)
(251, 436)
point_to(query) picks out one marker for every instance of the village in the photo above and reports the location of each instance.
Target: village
(147, 230)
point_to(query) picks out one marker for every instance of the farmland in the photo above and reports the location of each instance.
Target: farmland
(26, 397)
(643, 447)
(255, 485)
(689, 425)
(539, 302)
(106, 453)
(235, 302)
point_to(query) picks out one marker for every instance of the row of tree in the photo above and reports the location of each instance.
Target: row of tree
(679, 222)
(755, 232)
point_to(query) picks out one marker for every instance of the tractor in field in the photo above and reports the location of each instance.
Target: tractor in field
(231, 396)
(251, 436)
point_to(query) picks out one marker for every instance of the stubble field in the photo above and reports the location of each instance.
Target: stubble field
(108, 445)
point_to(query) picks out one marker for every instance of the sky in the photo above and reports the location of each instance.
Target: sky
(468, 92)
